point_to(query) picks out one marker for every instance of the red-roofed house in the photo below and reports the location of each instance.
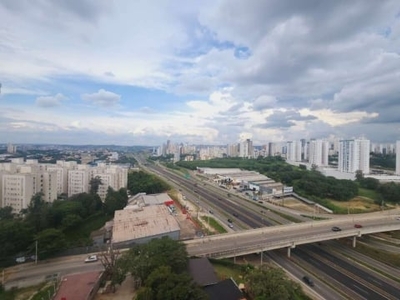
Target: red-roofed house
(79, 286)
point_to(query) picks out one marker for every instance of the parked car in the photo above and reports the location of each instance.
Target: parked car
(230, 225)
(398, 218)
(357, 225)
(335, 228)
(235, 215)
(91, 258)
(308, 280)
(211, 212)
(229, 221)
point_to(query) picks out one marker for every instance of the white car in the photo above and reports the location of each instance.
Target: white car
(91, 258)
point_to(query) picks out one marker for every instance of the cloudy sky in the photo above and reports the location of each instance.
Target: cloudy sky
(212, 71)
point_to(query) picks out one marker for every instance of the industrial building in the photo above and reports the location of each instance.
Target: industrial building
(139, 224)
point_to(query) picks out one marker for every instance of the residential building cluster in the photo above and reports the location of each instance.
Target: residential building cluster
(352, 154)
(20, 180)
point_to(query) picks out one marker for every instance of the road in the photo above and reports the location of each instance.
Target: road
(29, 274)
(368, 284)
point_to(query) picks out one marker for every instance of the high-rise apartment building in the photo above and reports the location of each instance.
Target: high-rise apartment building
(293, 150)
(318, 152)
(12, 149)
(246, 149)
(354, 155)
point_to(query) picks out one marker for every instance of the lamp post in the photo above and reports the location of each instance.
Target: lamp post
(36, 250)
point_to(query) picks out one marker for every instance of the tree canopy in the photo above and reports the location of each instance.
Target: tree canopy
(160, 269)
(142, 182)
(268, 283)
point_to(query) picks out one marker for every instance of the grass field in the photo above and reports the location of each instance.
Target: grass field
(357, 205)
(213, 224)
(227, 270)
(371, 194)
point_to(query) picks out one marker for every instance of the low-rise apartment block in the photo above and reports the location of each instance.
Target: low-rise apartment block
(20, 180)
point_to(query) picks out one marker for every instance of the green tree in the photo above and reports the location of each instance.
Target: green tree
(37, 212)
(50, 241)
(359, 175)
(94, 184)
(115, 200)
(143, 259)
(167, 285)
(142, 182)
(268, 283)
(6, 213)
(71, 221)
(15, 236)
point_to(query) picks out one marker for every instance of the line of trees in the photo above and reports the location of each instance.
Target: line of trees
(307, 183)
(142, 182)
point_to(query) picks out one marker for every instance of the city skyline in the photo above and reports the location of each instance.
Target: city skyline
(215, 72)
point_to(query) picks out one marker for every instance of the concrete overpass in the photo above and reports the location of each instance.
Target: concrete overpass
(289, 236)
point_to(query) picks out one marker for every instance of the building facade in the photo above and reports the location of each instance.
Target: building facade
(20, 180)
(354, 155)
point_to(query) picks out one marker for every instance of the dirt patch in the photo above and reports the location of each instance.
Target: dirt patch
(296, 204)
(359, 204)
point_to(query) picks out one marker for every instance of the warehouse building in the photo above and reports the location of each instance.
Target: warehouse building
(138, 225)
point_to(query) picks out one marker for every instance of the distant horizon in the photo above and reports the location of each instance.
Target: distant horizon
(156, 146)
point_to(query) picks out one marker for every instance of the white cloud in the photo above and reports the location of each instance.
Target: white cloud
(102, 98)
(338, 62)
(50, 101)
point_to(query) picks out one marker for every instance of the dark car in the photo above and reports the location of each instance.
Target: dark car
(229, 220)
(308, 280)
(235, 215)
(357, 225)
(335, 228)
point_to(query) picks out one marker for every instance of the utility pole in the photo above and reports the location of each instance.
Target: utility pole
(36, 246)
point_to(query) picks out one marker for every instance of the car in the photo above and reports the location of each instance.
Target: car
(235, 215)
(398, 218)
(91, 258)
(230, 225)
(211, 212)
(335, 228)
(357, 225)
(229, 221)
(308, 280)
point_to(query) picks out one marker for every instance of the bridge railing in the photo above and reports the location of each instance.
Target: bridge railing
(289, 227)
(259, 246)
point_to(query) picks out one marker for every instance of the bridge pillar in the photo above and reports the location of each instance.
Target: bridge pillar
(288, 249)
(354, 241)
(261, 259)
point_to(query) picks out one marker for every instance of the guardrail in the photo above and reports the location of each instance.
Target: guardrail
(235, 249)
(289, 227)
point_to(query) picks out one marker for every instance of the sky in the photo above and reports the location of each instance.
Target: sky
(199, 72)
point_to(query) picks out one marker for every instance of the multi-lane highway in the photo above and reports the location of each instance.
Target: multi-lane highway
(287, 236)
(335, 273)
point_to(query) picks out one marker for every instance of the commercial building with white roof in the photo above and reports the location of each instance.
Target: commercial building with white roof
(139, 225)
